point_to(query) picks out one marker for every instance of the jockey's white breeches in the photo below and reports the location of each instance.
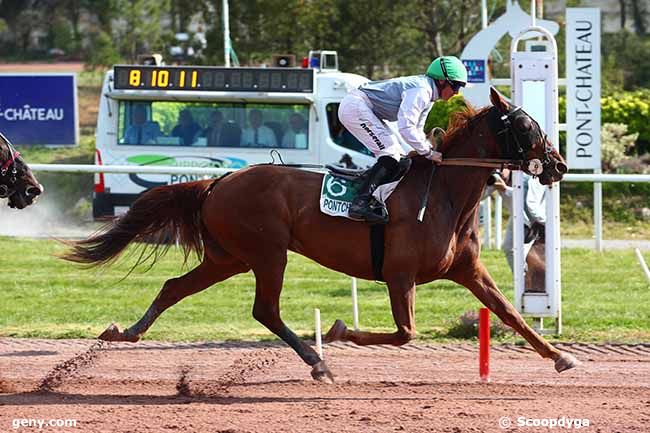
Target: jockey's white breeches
(355, 113)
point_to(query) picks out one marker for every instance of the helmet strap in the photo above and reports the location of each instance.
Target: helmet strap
(440, 84)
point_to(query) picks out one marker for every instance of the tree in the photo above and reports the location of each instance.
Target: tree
(378, 33)
(448, 25)
(141, 31)
(104, 52)
(105, 11)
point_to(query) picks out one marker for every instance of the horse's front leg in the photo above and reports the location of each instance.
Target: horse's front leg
(402, 301)
(481, 284)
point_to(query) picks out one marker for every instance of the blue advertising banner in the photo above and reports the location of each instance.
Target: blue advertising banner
(475, 70)
(39, 108)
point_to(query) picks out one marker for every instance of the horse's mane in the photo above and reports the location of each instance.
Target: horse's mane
(458, 123)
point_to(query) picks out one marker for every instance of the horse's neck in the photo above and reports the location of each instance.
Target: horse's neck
(465, 184)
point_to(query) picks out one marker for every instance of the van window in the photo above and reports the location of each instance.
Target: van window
(339, 133)
(170, 123)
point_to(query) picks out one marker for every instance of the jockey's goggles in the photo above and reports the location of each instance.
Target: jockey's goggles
(455, 85)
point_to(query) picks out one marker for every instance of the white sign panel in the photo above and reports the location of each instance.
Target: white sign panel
(583, 87)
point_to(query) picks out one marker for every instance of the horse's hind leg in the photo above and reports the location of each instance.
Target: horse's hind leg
(402, 302)
(203, 276)
(266, 310)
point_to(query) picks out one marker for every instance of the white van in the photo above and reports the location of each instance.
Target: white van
(218, 117)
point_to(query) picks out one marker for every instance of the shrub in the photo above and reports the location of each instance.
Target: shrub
(441, 111)
(614, 143)
(632, 109)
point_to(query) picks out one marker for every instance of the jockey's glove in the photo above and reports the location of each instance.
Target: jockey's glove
(432, 155)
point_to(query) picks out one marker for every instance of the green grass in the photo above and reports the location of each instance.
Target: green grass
(605, 298)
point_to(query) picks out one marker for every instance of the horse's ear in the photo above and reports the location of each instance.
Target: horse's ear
(499, 101)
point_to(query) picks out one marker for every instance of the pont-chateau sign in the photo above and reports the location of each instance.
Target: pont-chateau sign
(583, 87)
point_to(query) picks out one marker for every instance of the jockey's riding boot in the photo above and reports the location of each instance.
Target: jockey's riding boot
(364, 207)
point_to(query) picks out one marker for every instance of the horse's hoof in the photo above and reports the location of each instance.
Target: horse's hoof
(321, 373)
(336, 332)
(113, 333)
(566, 362)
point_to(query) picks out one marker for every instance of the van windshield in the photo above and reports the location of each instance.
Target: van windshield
(168, 123)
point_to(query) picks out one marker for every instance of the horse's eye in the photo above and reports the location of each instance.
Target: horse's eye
(523, 124)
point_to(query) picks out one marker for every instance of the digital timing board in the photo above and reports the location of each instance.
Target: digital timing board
(214, 79)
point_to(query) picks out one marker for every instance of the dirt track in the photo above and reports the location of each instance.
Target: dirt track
(255, 387)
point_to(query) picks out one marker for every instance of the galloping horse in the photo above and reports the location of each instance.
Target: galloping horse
(251, 218)
(17, 183)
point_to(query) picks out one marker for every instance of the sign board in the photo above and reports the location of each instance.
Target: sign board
(583, 88)
(39, 109)
(475, 70)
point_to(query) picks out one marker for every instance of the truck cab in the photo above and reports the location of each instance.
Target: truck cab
(198, 116)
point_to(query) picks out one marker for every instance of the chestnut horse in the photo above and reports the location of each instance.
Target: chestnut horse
(248, 220)
(17, 183)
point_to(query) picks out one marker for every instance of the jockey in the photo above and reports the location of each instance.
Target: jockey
(406, 100)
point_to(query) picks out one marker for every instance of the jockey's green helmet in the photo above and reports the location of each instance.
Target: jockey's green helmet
(448, 68)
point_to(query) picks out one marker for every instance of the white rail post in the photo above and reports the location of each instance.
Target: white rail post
(487, 222)
(318, 331)
(643, 264)
(598, 213)
(355, 305)
(498, 221)
(518, 259)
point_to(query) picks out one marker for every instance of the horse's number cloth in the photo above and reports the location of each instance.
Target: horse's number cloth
(337, 194)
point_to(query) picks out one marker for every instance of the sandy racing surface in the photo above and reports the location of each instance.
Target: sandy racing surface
(263, 387)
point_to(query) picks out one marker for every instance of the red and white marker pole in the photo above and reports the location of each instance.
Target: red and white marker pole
(484, 344)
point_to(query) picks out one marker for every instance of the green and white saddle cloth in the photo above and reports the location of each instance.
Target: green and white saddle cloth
(337, 194)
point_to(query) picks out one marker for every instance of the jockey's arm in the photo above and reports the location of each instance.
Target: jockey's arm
(410, 120)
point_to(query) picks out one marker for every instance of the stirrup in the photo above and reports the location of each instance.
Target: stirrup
(373, 213)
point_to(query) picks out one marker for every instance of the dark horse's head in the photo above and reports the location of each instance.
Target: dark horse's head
(521, 138)
(17, 183)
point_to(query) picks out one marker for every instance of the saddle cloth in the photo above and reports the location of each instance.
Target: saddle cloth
(340, 186)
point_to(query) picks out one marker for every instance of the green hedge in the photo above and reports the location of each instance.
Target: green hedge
(441, 111)
(629, 108)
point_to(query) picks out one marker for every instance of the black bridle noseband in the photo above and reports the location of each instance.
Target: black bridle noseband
(511, 143)
(8, 170)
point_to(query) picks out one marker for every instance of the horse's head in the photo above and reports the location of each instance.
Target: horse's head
(17, 183)
(521, 138)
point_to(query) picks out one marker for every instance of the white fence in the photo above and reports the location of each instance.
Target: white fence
(596, 178)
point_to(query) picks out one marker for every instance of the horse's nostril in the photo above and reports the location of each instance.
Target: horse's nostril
(561, 167)
(33, 190)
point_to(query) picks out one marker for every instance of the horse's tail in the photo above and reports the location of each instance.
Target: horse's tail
(160, 217)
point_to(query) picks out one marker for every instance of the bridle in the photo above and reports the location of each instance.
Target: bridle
(514, 144)
(8, 170)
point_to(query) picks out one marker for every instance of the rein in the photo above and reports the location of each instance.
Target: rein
(484, 162)
(9, 163)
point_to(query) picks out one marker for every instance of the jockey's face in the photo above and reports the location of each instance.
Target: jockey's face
(447, 91)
